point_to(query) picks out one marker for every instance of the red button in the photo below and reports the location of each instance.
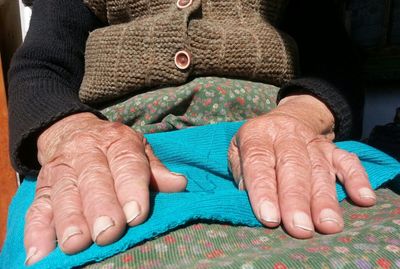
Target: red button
(182, 59)
(184, 3)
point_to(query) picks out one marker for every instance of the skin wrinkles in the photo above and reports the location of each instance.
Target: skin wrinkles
(298, 134)
(346, 161)
(274, 154)
(42, 207)
(290, 166)
(262, 188)
(92, 171)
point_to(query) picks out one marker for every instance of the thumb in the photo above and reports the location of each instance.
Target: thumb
(161, 178)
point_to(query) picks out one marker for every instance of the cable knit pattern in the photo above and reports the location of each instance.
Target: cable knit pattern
(224, 38)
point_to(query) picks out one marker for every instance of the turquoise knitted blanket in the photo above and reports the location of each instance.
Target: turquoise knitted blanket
(201, 154)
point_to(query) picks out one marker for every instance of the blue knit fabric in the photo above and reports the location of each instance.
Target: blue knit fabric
(201, 154)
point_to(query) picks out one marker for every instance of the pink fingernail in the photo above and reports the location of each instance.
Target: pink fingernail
(101, 224)
(31, 253)
(302, 220)
(70, 232)
(131, 210)
(329, 215)
(366, 193)
(241, 184)
(269, 212)
(178, 175)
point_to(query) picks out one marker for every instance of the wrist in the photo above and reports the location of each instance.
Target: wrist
(309, 110)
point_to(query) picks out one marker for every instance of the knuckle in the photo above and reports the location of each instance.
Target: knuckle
(293, 160)
(324, 193)
(39, 210)
(319, 168)
(82, 138)
(351, 157)
(93, 170)
(347, 157)
(117, 129)
(63, 187)
(256, 157)
(69, 213)
(322, 170)
(356, 173)
(127, 156)
(297, 194)
(260, 184)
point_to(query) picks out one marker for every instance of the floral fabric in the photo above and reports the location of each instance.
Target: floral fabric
(371, 237)
(202, 101)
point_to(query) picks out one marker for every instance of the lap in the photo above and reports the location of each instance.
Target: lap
(368, 241)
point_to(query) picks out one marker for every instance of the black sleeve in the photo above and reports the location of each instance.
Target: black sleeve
(45, 75)
(329, 63)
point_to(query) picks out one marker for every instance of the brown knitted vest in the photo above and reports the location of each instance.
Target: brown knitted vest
(227, 38)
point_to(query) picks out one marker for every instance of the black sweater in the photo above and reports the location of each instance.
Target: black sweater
(47, 70)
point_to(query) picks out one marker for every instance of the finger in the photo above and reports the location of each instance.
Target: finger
(234, 164)
(72, 230)
(131, 171)
(101, 208)
(39, 234)
(354, 178)
(258, 167)
(161, 178)
(293, 169)
(326, 213)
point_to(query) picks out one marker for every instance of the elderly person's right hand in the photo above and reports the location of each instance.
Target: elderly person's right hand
(95, 179)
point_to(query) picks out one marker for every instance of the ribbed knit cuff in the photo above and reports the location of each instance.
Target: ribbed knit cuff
(33, 115)
(330, 96)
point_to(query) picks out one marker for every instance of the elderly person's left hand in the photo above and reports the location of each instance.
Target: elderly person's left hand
(288, 164)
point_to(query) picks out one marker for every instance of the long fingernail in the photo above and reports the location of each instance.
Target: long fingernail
(366, 193)
(302, 220)
(101, 224)
(269, 212)
(241, 184)
(31, 252)
(178, 175)
(329, 215)
(131, 210)
(70, 232)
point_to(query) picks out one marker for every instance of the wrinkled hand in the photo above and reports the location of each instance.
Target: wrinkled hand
(288, 164)
(95, 179)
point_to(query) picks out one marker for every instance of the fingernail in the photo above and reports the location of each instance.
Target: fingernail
(131, 210)
(366, 193)
(178, 175)
(101, 224)
(70, 232)
(302, 220)
(31, 252)
(241, 184)
(269, 212)
(329, 215)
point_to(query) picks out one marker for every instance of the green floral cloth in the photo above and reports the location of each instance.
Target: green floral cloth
(202, 101)
(371, 237)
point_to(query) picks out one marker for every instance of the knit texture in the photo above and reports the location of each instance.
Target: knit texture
(201, 154)
(224, 38)
(45, 76)
(46, 71)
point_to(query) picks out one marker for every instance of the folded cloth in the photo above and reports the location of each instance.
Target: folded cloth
(201, 154)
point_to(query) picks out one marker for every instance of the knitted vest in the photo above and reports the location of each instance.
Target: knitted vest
(143, 46)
